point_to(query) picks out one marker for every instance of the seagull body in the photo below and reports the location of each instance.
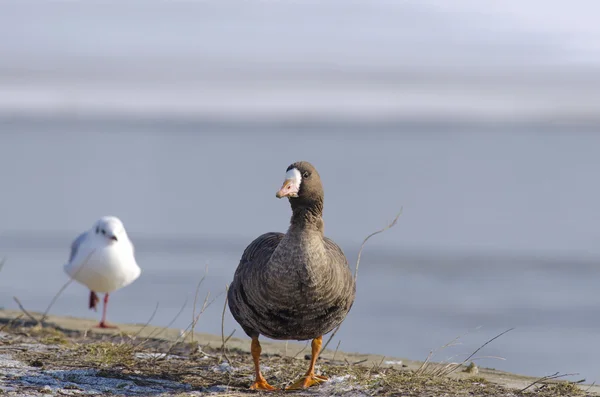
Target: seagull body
(102, 259)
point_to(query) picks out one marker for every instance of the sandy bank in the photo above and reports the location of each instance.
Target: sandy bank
(67, 356)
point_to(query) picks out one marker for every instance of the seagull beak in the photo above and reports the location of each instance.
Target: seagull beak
(113, 237)
(290, 188)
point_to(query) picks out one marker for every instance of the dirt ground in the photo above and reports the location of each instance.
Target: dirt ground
(68, 356)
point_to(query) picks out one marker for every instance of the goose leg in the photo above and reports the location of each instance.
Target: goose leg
(310, 379)
(103, 323)
(260, 383)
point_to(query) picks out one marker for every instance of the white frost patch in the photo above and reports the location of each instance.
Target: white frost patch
(223, 367)
(392, 362)
(6, 361)
(341, 385)
(15, 374)
(340, 379)
(157, 355)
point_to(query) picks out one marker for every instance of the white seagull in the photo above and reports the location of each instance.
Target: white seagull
(103, 260)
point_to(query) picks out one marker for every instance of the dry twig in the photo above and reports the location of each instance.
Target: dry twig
(60, 291)
(336, 350)
(35, 321)
(9, 323)
(304, 348)
(447, 369)
(555, 375)
(223, 349)
(194, 320)
(155, 334)
(390, 225)
(147, 322)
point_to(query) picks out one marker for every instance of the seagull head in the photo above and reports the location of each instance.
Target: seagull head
(110, 228)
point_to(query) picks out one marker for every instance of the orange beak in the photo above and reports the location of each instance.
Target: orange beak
(289, 189)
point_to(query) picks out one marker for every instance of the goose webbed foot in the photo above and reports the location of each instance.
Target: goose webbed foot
(260, 383)
(310, 379)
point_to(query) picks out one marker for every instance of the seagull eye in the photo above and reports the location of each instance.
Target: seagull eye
(103, 231)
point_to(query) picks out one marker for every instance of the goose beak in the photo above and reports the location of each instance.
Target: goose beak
(290, 188)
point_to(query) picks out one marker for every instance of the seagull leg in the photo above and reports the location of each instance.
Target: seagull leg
(93, 300)
(260, 383)
(103, 323)
(310, 379)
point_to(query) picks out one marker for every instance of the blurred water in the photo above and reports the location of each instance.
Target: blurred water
(499, 229)
(181, 118)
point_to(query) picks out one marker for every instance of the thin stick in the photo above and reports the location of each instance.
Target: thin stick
(60, 291)
(431, 354)
(480, 347)
(176, 341)
(182, 335)
(161, 330)
(223, 325)
(380, 363)
(488, 357)
(205, 305)
(195, 300)
(440, 370)
(304, 348)
(18, 318)
(336, 350)
(41, 321)
(230, 335)
(555, 375)
(592, 385)
(25, 311)
(174, 318)
(390, 225)
(147, 322)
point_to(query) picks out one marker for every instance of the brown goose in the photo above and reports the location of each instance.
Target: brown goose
(296, 285)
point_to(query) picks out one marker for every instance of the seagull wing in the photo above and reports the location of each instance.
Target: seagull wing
(76, 244)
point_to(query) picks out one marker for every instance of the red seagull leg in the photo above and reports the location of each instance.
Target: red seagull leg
(103, 323)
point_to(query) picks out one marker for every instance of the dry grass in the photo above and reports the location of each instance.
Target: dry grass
(445, 368)
(122, 356)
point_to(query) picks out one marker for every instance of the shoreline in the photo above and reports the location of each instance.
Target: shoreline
(69, 329)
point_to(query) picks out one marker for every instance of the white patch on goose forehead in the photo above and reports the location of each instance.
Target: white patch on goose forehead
(294, 175)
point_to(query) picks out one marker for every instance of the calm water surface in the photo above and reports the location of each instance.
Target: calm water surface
(499, 229)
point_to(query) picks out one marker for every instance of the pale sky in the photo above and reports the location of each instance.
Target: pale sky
(371, 32)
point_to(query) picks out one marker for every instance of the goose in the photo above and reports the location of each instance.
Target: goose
(103, 260)
(293, 286)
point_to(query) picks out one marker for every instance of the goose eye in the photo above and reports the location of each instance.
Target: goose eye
(306, 174)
